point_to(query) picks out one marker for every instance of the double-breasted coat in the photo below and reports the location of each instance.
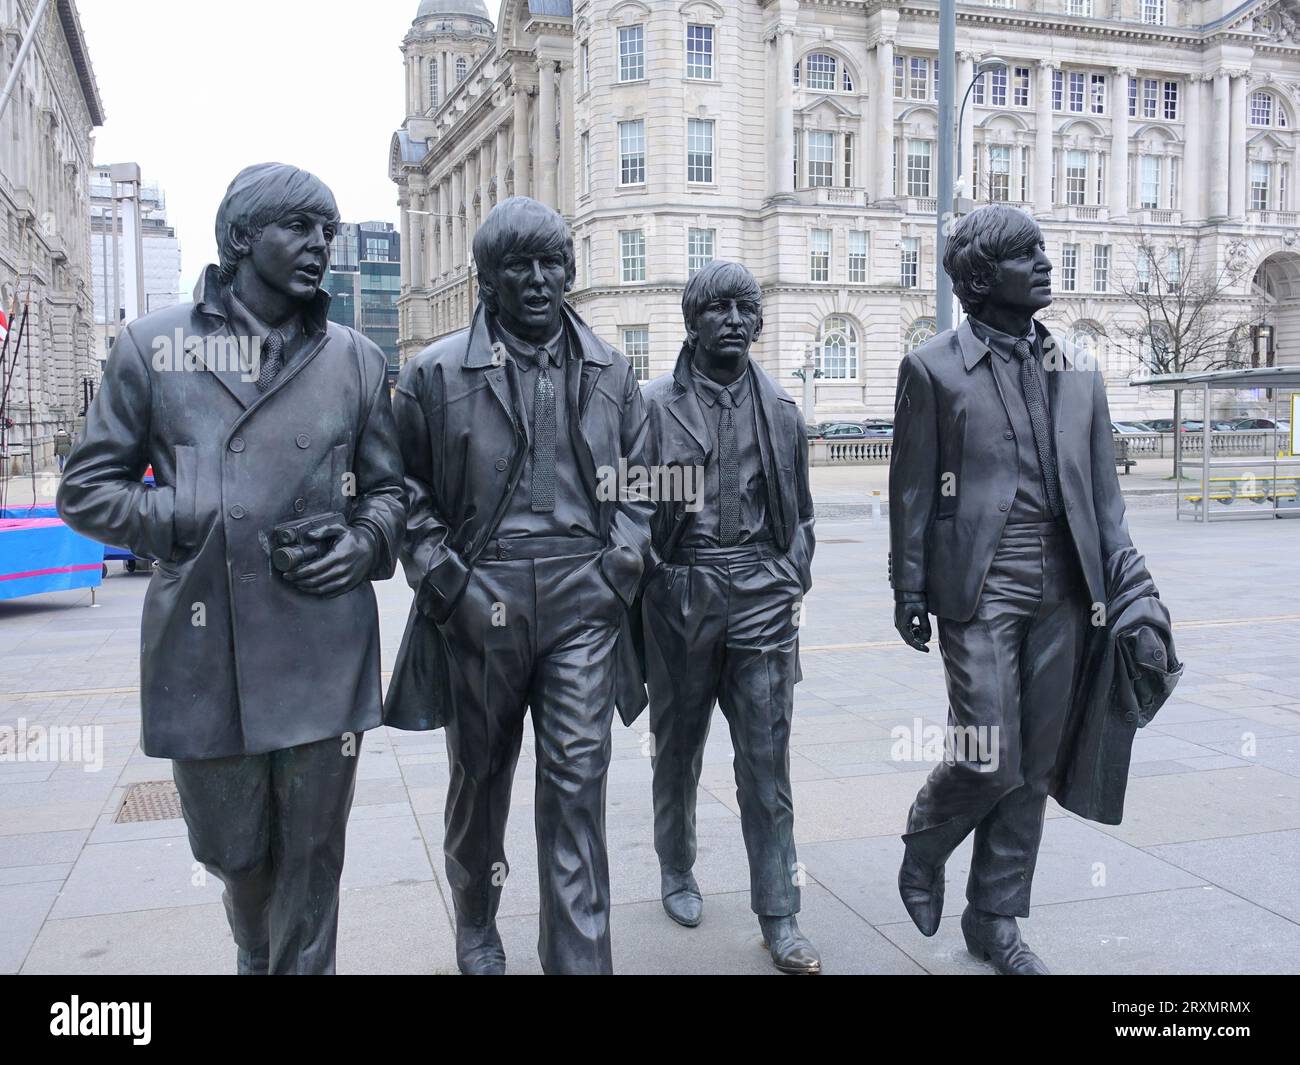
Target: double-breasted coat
(234, 659)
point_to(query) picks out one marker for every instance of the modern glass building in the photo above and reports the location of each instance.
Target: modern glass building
(365, 281)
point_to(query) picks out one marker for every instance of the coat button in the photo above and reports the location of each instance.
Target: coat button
(1009, 435)
(237, 445)
(502, 465)
(1131, 716)
(238, 512)
(303, 441)
(1159, 655)
(1004, 507)
(299, 506)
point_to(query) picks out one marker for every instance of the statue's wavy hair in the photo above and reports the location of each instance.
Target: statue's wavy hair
(981, 240)
(720, 279)
(263, 194)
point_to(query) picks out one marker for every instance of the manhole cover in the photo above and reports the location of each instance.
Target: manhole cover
(154, 800)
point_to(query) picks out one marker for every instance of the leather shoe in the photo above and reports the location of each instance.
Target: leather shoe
(920, 885)
(995, 938)
(479, 951)
(682, 899)
(791, 952)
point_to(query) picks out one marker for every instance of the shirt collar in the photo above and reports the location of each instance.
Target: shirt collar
(1002, 344)
(210, 298)
(244, 323)
(525, 352)
(709, 390)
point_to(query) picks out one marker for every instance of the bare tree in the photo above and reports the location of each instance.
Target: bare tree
(1191, 311)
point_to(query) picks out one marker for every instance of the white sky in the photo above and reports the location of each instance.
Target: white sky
(195, 90)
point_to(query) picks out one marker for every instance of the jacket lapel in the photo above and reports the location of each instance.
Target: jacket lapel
(775, 448)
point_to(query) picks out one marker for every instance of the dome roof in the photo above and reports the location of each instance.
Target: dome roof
(467, 8)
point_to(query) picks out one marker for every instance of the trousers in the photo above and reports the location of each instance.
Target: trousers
(272, 828)
(1010, 676)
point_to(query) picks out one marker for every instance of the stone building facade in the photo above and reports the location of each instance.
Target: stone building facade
(45, 164)
(798, 136)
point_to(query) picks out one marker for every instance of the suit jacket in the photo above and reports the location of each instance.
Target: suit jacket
(234, 659)
(1129, 669)
(953, 475)
(464, 446)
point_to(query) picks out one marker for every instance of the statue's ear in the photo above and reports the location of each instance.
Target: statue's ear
(242, 241)
(758, 329)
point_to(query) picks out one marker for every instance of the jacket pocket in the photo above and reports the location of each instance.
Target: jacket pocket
(343, 480)
(185, 516)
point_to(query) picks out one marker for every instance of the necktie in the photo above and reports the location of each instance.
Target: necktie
(272, 360)
(728, 475)
(1032, 386)
(543, 487)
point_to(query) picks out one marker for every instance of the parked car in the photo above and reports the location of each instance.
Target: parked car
(1220, 426)
(1129, 427)
(843, 431)
(1161, 425)
(1260, 424)
(881, 430)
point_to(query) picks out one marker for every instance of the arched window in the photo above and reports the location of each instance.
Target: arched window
(1087, 341)
(822, 69)
(837, 349)
(848, 80)
(462, 68)
(918, 333)
(435, 95)
(1265, 109)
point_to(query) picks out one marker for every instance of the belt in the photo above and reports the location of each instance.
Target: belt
(751, 552)
(1033, 529)
(541, 547)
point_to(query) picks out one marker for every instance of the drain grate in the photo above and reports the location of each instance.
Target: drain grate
(154, 800)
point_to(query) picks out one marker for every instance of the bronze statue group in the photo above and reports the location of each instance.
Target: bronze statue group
(285, 486)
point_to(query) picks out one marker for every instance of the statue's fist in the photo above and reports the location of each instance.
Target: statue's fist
(912, 620)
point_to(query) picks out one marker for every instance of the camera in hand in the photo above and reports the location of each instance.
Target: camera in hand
(290, 546)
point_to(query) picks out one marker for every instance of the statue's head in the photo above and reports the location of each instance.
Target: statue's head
(278, 220)
(723, 310)
(996, 259)
(524, 254)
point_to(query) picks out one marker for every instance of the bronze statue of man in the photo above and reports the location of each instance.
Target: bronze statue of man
(277, 500)
(1007, 522)
(523, 571)
(721, 610)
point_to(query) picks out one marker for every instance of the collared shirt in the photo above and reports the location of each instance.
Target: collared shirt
(1030, 503)
(244, 323)
(704, 530)
(575, 512)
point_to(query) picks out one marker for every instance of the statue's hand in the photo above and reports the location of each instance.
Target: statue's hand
(912, 620)
(342, 568)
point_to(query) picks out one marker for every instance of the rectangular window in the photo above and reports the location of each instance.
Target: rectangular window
(819, 248)
(821, 72)
(998, 87)
(1149, 181)
(821, 158)
(1081, 8)
(586, 164)
(1143, 272)
(586, 66)
(1171, 101)
(1174, 268)
(918, 167)
(1076, 92)
(631, 53)
(900, 76)
(1058, 90)
(586, 262)
(1024, 175)
(919, 79)
(1069, 267)
(1150, 97)
(699, 250)
(699, 150)
(1258, 185)
(858, 252)
(1000, 172)
(1261, 109)
(1100, 267)
(848, 160)
(1020, 86)
(632, 248)
(636, 346)
(631, 149)
(1097, 100)
(1172, 202)
(977, 93)
(1101, 178)
(1153, 12)
(911, 262)
(1132, 97)
(699, 52)
(1076, 177)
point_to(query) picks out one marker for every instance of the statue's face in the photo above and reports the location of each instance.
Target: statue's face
(292, 254)
(1024, 281)
(529, 289)
(726, 328)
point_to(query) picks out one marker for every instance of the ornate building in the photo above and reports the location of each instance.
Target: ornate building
(45, 166)
(798, 136)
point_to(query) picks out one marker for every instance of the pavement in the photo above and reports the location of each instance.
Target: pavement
(1200, 877)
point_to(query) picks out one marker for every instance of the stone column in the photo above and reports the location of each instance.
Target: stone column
(965, 72)
(408, 249)
(473, 167)
(523, 158)
(1119, 147)
(569, 163)
(1221, 134)
(458, 219)
(501, 154)
(444, 227)
(418, 248)
(1044, 124)
(884, 180)
(1237, 146)
(1192, 150)
(781, 179)
(546, 182)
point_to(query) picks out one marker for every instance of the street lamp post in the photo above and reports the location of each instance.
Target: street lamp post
(943, 203)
